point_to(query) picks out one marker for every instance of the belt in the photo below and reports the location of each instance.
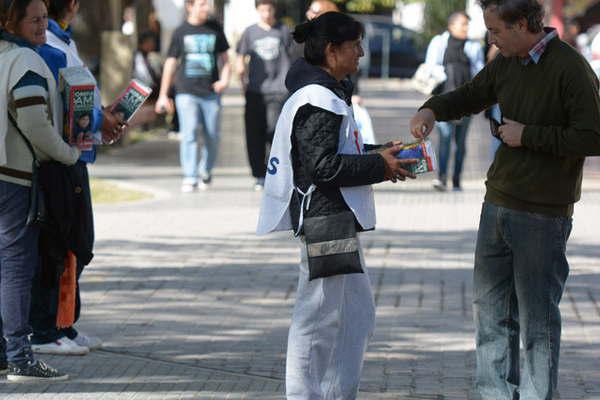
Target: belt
(16, 173)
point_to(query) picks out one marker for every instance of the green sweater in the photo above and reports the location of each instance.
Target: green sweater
(557, 101)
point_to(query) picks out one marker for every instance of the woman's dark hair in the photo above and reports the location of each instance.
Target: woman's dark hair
(13, 11)
(332, 27)
(58, 8)
(511, 11)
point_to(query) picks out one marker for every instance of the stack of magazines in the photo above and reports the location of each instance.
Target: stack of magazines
(423, 152)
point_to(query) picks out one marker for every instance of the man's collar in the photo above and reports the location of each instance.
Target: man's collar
(536, 52)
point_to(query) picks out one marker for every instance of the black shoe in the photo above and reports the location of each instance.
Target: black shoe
(36, 371)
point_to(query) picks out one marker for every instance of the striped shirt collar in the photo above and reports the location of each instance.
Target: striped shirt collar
(536, 52)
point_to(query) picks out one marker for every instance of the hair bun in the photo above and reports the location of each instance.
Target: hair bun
(302, 31)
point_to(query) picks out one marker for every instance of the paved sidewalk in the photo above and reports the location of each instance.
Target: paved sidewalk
(192, 305)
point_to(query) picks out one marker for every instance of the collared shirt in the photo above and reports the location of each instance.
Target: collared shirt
(536, 51)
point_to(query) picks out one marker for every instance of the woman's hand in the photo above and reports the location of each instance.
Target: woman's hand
(394, 168)
(112, 128)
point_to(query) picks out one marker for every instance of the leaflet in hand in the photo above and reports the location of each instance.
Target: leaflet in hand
(78, 87)
(424, 152)
(130, 101)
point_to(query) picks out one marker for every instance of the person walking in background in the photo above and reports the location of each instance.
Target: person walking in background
(319, 184)
(27, 123)
(61, 51)
(462, 59)
(197, 49)
(146, 63)
(263, 62)
(549, 99)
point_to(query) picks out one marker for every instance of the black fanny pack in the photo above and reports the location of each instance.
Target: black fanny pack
(332, 245)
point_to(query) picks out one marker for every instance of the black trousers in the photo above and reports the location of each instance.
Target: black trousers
(260, 115)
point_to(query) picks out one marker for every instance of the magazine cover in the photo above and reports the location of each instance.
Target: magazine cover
(130, 101)
(424, 152)
(78, 89)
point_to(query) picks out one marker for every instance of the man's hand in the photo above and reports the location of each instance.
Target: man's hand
(511, 132)
(422, 123)
(112, 128)
(394, 170)
(164, 105)
(220, 86)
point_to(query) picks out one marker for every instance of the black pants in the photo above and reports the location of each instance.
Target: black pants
(260, 116)
(44, 299)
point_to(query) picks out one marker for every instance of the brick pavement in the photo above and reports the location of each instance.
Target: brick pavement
(192, 305)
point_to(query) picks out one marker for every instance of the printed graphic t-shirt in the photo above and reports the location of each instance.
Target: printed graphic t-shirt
(269, 57)
(197, 48)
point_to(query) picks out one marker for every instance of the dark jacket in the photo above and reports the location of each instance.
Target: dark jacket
(315, 158)
(69, 218)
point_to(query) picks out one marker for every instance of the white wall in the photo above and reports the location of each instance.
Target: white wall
(170, 14)
(477, 26)
(238, 15)
(410, 15)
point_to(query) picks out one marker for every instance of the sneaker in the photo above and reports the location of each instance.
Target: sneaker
(34, 371)
(63, 346)
(260, 184)
(91, 342)
(188, 187)
(205, 182)
(439, 185)
(173, 135)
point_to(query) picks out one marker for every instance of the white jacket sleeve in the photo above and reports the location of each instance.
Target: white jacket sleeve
(35, 124)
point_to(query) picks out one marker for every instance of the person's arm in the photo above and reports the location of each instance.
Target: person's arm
(163, 103)
(240, 68)
(223, 61)
(224, 74)
(30, 100)
(581, 137)
(316, 132)
(470, 98)
(242, 59)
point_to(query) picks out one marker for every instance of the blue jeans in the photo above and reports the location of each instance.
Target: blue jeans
(446, 131)
(192, 112)
(18, 263)
(520, 274)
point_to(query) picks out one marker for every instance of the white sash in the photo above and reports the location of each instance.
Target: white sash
(279, 181)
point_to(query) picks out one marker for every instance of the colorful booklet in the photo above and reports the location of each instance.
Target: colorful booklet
(130, 101)
(424, 152)
(78, 86)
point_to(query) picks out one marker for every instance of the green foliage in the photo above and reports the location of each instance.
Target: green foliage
(437, 13)
(366, 6)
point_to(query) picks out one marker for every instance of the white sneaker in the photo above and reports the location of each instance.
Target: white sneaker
(259, 185)
(188, 188)
(91, 342)
(63, 346)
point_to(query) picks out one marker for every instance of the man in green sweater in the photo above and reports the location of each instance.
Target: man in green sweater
(551, 121)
